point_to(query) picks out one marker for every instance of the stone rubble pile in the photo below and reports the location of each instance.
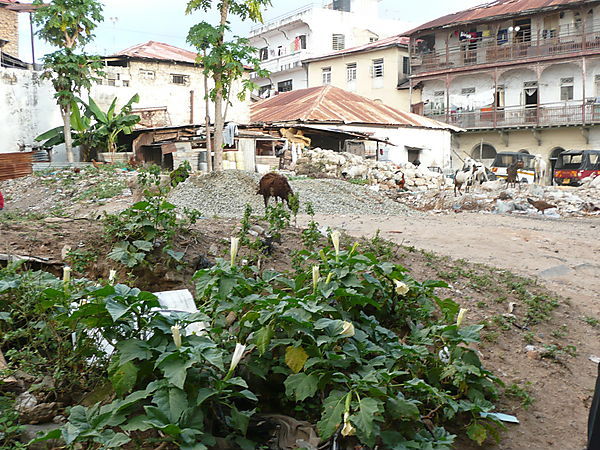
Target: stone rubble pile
(385, 175)
(494, 197)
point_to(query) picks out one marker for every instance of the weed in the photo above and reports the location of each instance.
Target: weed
(561, 332)
(481, 304)
(520, 393)
(294, 202)
(380, 247)
(591, 321)
(358, 181)
(80, 259)
(529, 337)
(278, 218)
(311, 234)
(10, 429)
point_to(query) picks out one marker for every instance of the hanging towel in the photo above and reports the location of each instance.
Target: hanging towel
(229, 133)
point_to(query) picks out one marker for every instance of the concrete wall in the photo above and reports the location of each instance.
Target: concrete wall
(436, 145)
(384, 91)
(9, 30)
(27, 108)
(160, 91)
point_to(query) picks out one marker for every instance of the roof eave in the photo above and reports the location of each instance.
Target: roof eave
(368, 50)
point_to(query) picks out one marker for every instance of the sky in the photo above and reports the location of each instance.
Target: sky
(130, 22)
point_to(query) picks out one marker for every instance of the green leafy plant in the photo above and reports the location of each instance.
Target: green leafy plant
(279, 219)
(10, 429)
(148, 225)
(294, 203)
(80, 259)
(311, 234)
(180, 174)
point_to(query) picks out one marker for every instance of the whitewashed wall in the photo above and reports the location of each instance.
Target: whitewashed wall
(27, 108)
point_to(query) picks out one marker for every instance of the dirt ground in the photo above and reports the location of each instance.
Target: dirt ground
(563, 255)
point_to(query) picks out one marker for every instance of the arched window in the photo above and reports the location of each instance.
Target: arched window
(485, 153)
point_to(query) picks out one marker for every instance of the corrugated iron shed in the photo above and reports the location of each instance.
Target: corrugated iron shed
(497, 10)
(392, 41)
(329, 104)
(15, 165)
(158, 51)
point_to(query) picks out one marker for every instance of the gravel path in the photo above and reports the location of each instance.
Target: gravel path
(226, 195)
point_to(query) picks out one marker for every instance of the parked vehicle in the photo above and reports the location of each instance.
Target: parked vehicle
(505, 159)
(573, 166)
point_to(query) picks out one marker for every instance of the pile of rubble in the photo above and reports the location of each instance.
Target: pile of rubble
(386, 175)
(494, 197)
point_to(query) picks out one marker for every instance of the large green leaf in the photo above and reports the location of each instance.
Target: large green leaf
(172, 401)
(96, 111)
(263, 338)
(295, 358)
(301, 386)
(175, 369)
(402, 409)
(477, 432)
(364, 419)
(240, 419)
(124, 378)
(331, 418)
(133, 349)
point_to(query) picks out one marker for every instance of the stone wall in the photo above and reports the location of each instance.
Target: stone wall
(9, 31)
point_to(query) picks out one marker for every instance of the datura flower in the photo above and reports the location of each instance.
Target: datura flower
(444, 355)
(66, 274)
(335, 239)
(316, 276)
(175, 329)
(461, 316)
(401, 288)
(237, 356)
(112, 275)
(235, 245)
(347, 330)
(348, 429)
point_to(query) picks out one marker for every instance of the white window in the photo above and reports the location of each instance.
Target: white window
(351, 72)
(147, 74)
(326, 74)
(377, 68)
(181, 80)
(566, 89)
(338, 42)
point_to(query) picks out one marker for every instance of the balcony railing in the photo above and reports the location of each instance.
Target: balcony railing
(490, 51)
(522, 116)
(283, 19)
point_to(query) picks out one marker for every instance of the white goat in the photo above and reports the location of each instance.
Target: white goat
(462, 177)
(540, 166)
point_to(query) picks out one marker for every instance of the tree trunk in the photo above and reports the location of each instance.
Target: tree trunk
(207, 122)
(66, 115)
(219, 97)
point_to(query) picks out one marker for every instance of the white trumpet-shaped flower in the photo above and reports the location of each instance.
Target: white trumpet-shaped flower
(235, 245)
(401, 288)
(66, 274)
(348, 429)
(316, 276)
(329, 277)
(461, 316)
(237, 356)
(444, 355)
(112, 275)
(335, 239)
(175, 329)
(347, 330)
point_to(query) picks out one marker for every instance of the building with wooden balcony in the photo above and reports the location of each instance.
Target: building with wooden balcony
(518, 75)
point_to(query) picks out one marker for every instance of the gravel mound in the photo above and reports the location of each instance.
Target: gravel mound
(226, 194)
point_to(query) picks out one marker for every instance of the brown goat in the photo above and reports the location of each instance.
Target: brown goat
(512, 173)
(274, 185)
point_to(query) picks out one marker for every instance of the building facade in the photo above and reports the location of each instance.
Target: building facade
(311, 31)
(169, 83)
(9, 29)
(518, 75)
(378, 70)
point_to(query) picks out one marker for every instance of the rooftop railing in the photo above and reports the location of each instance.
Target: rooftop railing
(283, 19)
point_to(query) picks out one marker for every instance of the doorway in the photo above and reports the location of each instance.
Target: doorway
(553, 159)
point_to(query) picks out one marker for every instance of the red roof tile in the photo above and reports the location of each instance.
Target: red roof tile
(495, 10)
(329, 104)
(158, 51)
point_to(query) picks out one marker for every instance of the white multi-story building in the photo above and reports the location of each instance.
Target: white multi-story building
(311, 31)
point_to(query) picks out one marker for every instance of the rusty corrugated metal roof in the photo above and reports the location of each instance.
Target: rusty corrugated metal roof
(392, 41)
(15, 165)
(158, 51)
(495, 10)
(329, 104)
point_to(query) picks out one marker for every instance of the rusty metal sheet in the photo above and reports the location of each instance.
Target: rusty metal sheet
(15, 165)
(496, 10)
(329, 104)
(158, 51)
(168, 148)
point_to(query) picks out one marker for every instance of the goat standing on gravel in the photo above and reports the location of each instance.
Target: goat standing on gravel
(540, 167)
(274, 185)
(462, 177)
(512, 173)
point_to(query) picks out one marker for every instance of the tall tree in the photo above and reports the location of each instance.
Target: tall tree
(69, 24)
(225, 61)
